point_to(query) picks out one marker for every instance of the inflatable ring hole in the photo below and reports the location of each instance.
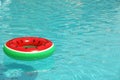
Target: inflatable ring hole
(29, 46)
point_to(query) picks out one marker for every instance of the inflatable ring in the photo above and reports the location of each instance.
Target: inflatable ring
(28, 48)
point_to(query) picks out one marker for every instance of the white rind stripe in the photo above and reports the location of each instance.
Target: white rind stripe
(32, 51)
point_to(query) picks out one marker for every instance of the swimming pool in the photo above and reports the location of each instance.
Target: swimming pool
(86, 34)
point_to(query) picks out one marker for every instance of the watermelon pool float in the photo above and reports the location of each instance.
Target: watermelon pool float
(28, 48)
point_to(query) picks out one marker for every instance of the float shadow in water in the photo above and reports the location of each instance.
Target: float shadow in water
(15, 71)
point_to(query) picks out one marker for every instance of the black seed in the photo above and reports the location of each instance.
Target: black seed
(17, 42)
(21, 41)
(38, 42)
(33, 40)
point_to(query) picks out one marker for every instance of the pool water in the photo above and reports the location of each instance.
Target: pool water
(86, 34)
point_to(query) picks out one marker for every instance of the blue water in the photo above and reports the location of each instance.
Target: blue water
(86, 34)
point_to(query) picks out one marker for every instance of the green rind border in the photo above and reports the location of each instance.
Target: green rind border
(29, 55)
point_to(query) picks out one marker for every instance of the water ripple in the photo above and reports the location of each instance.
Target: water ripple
(86, 35)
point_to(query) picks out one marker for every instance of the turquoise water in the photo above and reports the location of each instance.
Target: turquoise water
(86, 34)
